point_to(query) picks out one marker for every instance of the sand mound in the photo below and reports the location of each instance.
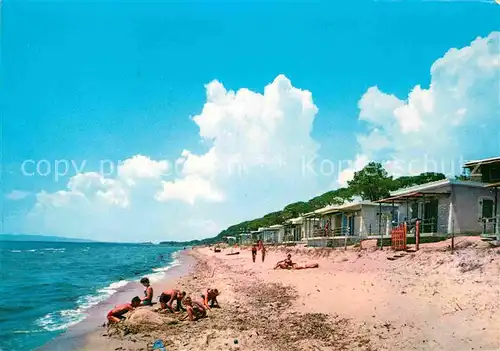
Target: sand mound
(145, 316)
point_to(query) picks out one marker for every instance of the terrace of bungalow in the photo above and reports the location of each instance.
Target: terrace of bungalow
(293, 231)
(326, 225)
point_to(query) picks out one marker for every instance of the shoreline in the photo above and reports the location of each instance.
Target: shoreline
(356, 300)
(74, 337)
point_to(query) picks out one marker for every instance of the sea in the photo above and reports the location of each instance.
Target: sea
(48, 287)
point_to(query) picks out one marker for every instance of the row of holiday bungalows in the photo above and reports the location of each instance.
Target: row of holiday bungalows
(443, 208)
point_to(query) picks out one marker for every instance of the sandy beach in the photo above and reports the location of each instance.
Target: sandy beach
(356, 300)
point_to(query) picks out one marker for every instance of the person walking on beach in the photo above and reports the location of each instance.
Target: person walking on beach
(254, 252)
(147, 300)
(195, 310)
(167, 298)
(262, 249)
(116, 314)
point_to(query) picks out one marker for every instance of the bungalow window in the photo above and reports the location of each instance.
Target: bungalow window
(395, 216)
(414, 210)
(495, 174)
(487, 208)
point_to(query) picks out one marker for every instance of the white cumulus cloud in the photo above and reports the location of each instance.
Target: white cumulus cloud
(189, 189)
(142, 167)
(256, 142)
(435, 128)
(247, 130)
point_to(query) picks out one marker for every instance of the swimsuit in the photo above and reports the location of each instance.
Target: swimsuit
(119, 315)
(198, 310)
(146, 302)
(164, 298)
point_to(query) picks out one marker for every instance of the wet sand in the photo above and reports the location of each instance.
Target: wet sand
(75, 337)
(356, 300)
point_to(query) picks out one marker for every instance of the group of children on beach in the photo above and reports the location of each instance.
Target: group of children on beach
(195, 309)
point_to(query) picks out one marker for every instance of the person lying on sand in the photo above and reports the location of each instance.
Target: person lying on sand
(195, 310)
(116, 314)
(307, 265)
(286, 263)
(168, 297)
(210, 296)
(147, 300)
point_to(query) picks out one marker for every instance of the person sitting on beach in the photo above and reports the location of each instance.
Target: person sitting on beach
(195, 310)
(167, 298)
(286, 263)
(210, 296)
(117, 314)
(254, 252)
(147, 300)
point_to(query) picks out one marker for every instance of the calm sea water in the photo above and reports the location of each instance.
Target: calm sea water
(48, 287)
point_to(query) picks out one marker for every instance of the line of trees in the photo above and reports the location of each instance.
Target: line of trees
(371, 183)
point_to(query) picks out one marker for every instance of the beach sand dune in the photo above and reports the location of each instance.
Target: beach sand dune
(356, 300)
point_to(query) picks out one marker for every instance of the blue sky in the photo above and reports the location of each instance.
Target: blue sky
(88, 82)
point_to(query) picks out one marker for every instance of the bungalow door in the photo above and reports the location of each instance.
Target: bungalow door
(414, 210)
(345, 225)
(351, 225)
(430, 224)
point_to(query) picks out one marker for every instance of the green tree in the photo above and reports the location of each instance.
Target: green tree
(407, 181)
(372, 182)
(296, 209)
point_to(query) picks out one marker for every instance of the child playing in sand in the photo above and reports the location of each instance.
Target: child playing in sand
(147, 300)
(167, 298)
(195, 310)
(210, 296)
(116, 314)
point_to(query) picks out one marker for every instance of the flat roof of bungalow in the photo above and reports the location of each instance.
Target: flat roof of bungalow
(297, 220)
(272, 227)
(482, 162)
(427, 189)
(348, 206)
(354, 206)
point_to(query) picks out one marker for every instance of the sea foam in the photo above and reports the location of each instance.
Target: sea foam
(63, 319)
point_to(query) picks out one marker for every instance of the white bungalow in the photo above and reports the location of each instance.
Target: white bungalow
(294, 230)
(357, 218)
(363, 218)
(446, 206)
(245, 238)
(273, 234)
